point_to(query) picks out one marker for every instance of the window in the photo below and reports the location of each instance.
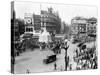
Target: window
(29, 29)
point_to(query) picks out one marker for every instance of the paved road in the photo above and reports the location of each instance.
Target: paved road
(33, 61)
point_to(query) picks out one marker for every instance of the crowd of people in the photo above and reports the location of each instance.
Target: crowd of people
(84, 58)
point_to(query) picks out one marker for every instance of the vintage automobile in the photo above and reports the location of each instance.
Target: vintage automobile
(50, 59)
(81, 46)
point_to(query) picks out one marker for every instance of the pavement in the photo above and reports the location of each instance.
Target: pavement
(32, 61)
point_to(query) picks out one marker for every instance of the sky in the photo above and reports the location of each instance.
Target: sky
(65, 11)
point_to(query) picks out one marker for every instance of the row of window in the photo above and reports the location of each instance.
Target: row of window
(29, 29)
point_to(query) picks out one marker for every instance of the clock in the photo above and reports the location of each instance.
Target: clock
(29, 21)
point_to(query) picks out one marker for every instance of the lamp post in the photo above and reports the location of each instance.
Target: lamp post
(66, 59)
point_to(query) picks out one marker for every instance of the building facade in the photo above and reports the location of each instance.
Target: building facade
(91, 27)
(37, 22)
(79, 25)
(47, 19)
(51, 21)
(28, 19)
(83, 27)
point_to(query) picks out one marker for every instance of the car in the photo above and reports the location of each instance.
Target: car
(75, 41)
(50, 59)
(80, 44)
(83, 47)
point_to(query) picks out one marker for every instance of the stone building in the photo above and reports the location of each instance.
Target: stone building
(37, 22)
(91, 27)
(51, 21)
(28, 19)
(83, 27)
(46, 19)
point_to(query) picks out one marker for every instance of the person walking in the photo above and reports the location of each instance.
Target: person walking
(55, 66)
(27, 71)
